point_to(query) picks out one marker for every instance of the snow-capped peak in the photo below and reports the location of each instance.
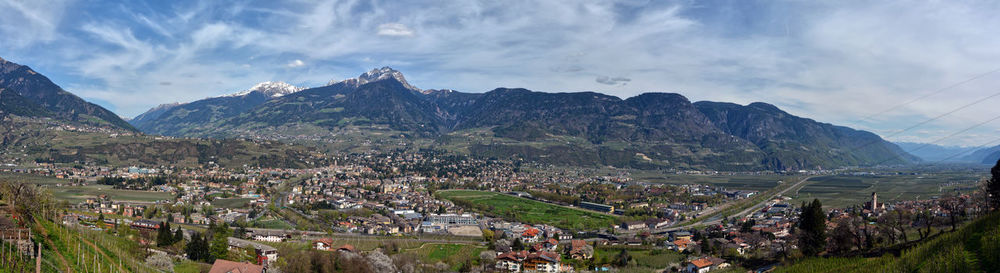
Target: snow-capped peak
(271, 89)
(376, 75)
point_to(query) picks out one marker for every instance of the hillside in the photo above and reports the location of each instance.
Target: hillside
(973, 248)
(379, 109)
(31, 140)
(792, 142)
(28, 93)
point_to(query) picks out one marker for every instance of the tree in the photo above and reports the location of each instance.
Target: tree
(197, 248)
(623, 258)
(812, 224)
(517, 245)
(993, 187)
(163, 236)
(220, 246)
(178, 235)
(160, 261)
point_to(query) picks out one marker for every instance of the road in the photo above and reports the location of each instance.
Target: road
(717, 220)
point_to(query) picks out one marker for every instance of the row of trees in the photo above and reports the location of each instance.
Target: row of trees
(214, 244)
(164, 236)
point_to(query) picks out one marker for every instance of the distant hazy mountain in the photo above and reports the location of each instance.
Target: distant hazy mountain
(984, 156)
(935, 153)
(25, 92)
(654, 130)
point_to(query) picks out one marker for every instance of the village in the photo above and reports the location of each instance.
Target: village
(395, 196)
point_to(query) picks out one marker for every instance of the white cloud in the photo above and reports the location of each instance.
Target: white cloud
(24, 23)
(295, 63)
(394, 30)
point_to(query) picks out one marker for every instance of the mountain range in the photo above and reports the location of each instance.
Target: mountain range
(655, 130)
(380, 110)
(24, 92)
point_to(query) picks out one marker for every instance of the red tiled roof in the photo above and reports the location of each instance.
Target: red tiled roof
(702, 263)
(224, 266)
(531, 232)
(346, 247)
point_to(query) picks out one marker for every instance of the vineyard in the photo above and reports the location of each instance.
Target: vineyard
(973, 248)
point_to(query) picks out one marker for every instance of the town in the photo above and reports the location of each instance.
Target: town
(361, 204)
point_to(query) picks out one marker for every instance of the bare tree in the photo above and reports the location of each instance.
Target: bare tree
(486, 258)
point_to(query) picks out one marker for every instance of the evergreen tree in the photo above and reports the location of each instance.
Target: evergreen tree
(163, 237)
(623, 258)
(178, 235)
(194, 248)
(812, 224)
(219, 248)
(517, 245)
(993, 187)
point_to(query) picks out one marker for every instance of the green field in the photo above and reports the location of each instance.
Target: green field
(528, 211)
(642, 258)
(79, 193)
(840, 191)
(450, 254)
(736, 182)
(231, 202)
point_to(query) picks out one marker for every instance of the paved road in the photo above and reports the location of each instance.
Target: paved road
(717, 220)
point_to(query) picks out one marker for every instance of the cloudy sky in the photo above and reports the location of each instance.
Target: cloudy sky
(897, 68)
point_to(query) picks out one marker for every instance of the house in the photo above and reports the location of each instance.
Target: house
(634, 225)
(325, 244)
(546, 262)
(510, 261)
(265, 253)
(346, 248)
(531, 235)
(706, 264)
(269, 236)
(679, 245)
(224, 266)
(702, 265)
(550, 245)
(580, 250)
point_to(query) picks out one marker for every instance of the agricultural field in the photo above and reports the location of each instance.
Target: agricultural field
(75, 194)
(451, 254)
(524, 210)
(840, 191)
(641, 258)
(735, 182)
(231, 202)
(80, 193)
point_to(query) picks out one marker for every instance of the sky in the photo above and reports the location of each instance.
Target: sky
(918, 71)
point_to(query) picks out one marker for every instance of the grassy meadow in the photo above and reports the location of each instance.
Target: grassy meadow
(528, 211)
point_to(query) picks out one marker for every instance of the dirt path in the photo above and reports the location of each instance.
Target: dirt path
(45, 234)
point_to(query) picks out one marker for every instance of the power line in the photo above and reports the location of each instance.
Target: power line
(925, 145)
(926, 121)
(973, 149)
(935, 92)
